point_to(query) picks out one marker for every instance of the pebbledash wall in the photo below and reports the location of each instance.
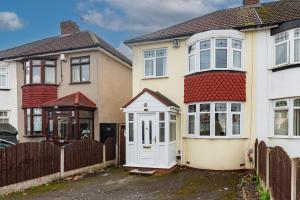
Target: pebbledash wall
(102, 89)
(205, 153)
(8, 96)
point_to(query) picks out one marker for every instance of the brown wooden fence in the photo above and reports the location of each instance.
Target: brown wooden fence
(255, 154)
(280, 174)
(83, 153)
(26, 161)
(298, 179)
(110, 149)
(262, 160)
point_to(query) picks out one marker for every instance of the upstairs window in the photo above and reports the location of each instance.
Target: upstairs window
(297, 45)
(3, 77)
(215, 54)
(40, 72)
(281, 48)
(80, 69)
(155, 62)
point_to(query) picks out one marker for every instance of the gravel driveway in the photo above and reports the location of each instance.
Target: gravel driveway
(115, 183)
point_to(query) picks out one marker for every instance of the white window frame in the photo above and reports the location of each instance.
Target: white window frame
(288, 49)
(131, 122)
(229, 114)
(5, 74)
(2, 118)
(164, 122)
(238, 50)
(195, 119)
(154, 63)
(201, 50)
(174, 122)
(293, 45)
(195, 58)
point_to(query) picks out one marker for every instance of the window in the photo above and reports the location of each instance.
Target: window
(191, 118)
(4, 118)
(162, 127)
(172, 127)
(215, 54)
(297, 46)
(281, 48)
(220, 119)
(281, 118)
(296, 121)
(131, 127)
(40, 72)
(3, 77)
(33, 121)
(155, 62)
(80, 69)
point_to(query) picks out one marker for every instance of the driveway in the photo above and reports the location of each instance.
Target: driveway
(115, 183)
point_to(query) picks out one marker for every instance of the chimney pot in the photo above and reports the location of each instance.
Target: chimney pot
(250, 2)
(68, 27)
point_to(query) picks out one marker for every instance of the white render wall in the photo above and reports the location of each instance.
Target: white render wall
(8, 98)
(273, 85)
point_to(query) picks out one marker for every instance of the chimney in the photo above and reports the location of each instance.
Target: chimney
(68, 27)
(250, 2)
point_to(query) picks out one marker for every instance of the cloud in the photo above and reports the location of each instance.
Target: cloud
(147, 15)
(10, 21)
(125, 50)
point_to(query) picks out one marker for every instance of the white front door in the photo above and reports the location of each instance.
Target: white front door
(147, 139)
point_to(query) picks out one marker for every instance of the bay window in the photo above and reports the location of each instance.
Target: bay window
(215, 119)
(40, 72)
(3, 77)
(155, 62)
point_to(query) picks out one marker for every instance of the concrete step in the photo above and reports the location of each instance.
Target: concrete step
(146, 172)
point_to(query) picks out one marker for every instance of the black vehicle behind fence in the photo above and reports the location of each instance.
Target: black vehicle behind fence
(8, 135)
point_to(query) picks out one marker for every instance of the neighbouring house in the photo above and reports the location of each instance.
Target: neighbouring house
(201, 88)
(66, 87)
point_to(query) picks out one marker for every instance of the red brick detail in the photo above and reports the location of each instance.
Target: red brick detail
(215, 86)
(36, 95)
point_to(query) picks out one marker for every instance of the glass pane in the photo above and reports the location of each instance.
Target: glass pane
(281, 54)
(36, 74)
(131, 117)
(236, 121)
(237, 44)
(149, 70)
(85, 60)
(281, 37)
(37, 111)
(221, 107)
(131, 132)
(192, 49)
(143, 132)
(3, 70)
(27, 75)
(36, 62)
(173, 117)
(161, 52)
(62, 127)
(49, 74)
(192, 108)
(3, 81)
(161, 116)
(297, 33)
(150, 132)
(235, 107)
(296, 122)
(221, 58)
(85, 114)
(237, 59)
(192, 63)
(281, 122)
(205, 107)
(221, 42)
(205, 45)
(85, 73)
(85, 128)
(161, 131)
(50, 128)
(172, 131)
(149, 54)
(50, 62)
(297, 103)
(297, 50)
(205, 59)
(37, 123)
(160, 66)
(220, 124)
(205, 124)
(76, 73)
(75, 61)
(73, 134)
(28, 124)
(191, 124)
(281, 103)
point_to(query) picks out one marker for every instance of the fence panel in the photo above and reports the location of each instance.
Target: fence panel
(110, 149)
(26, 161)
(298, 180)
(83, 153)
(255, 154)
(280, 166)
(262, 157)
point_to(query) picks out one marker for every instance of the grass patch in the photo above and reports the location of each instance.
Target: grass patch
(263, 193)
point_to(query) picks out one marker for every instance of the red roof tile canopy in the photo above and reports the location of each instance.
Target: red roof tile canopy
(34, 96)
(73, 100)
(163, 99)
(215, 86)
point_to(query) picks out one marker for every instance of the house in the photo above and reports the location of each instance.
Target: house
(68, 86)
(198, 88)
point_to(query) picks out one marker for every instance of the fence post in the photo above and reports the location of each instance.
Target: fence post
(268, 168)
(104, 155)
(62, 161)
(294, 178)
(117, 147)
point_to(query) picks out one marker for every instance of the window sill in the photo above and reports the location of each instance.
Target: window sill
(216, 70)
(284, 137)
(40, 84)
(214, 137)
(78, 83)
(5, 89)
(154, 77)
(285, 66)
(34, 136)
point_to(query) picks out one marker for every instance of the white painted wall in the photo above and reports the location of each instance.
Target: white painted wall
(8, 98)
(273, 85)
